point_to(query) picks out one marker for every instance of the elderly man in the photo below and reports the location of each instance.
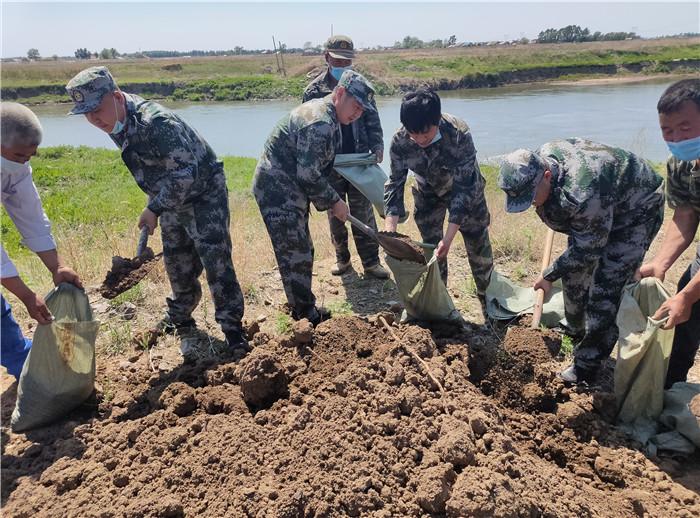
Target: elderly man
(439, 149)
(293, 172)
(610, 203)
(679, 117)
(186, 190)
(362, 136)
(20, 136)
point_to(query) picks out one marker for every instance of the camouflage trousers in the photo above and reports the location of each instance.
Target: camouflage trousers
(686, 339)
(361, 208)
(592, 297)
(195, 238)
(429, 213)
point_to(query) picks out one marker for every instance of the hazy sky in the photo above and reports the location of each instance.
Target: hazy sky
(61, 27)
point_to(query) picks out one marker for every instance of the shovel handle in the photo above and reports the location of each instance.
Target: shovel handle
(539, 301)
(143, 241)
(366, 229)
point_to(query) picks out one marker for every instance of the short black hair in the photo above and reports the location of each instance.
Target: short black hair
(420, 110)
(678, 93)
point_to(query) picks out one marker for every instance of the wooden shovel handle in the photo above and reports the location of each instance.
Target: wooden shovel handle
(539, 301)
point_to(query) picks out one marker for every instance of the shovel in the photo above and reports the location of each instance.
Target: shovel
(127, 273)
(396, 245)
(539, 301)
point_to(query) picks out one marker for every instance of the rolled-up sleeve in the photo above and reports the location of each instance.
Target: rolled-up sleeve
(24, 208)
(7, 267)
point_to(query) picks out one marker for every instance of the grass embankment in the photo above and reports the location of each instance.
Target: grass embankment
(256, 77)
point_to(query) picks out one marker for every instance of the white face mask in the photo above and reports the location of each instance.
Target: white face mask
(10, 167)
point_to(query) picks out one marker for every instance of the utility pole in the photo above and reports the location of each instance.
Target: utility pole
(277, 59)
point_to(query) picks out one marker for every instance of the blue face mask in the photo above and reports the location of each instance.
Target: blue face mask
(119, 125)
(685, 149)
(337, 72)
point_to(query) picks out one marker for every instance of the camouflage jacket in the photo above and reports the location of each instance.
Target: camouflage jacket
(683, 184)
(596, 189)
(298, 157)
(367, 130)
(446, 168)
(169, 160)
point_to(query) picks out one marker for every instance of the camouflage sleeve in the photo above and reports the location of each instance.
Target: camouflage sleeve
(171, 143)
(677, 193)
(394, 186)
(373, 126)
(590, 229)
(315, 151)
(309, 93)
(468, 184)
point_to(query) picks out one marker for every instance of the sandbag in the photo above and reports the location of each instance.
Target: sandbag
(682, 411)
(363, 172)
(422, 291)
(643, 351)
(59, 373)
(505, 300)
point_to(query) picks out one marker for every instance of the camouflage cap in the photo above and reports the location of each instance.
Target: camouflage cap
(88, 88)
(361, 89)
(340, 47)
(521, 172)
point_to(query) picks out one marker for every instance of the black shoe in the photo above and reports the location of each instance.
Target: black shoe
(315, 315)
(235, 339)
(167, 327)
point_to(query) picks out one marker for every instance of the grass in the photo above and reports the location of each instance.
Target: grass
(283, 323)
(255, 77)
(567, 346)
(340, 307)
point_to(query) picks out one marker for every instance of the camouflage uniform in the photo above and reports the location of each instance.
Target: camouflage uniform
(293, 172)
(448, 179)
(186, 188)
(362, 136)
(683, 190)
(610, 204)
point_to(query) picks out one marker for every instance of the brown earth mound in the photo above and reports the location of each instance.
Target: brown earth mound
(362, 432)
(127, 273)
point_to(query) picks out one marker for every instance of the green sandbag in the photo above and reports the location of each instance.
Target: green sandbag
(643, 351)
(422, 291)
(59, 373)
(682, 411)
(363, 172)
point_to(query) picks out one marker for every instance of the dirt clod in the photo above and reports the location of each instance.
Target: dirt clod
(263, 380)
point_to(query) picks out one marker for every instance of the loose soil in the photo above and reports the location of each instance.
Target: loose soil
(400, 246)
(127, 273)
(349, 424)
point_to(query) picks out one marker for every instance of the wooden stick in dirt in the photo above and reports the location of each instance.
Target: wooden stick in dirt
(539, 301)
(415, 355)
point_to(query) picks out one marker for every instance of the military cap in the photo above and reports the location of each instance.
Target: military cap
(88, 88)
(521, 172)
(340, 47)
(361, 89)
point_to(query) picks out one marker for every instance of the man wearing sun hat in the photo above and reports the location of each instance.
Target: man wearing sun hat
(610, 204)
(362, 136)
(293, 172)
(187, 193)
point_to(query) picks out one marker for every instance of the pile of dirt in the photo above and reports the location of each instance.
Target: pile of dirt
(127, 273)
(401, 247)
(360, 430)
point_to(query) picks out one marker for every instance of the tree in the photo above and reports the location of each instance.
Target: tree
(109, 53)
(82, 53)
(33, 54)
(308, 45)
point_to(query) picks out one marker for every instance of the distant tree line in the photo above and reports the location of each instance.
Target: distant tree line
(574, 33)
(412, 42)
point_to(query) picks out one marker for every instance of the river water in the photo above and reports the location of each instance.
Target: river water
(501, 119)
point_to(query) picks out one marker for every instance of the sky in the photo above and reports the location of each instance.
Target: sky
(60, 27)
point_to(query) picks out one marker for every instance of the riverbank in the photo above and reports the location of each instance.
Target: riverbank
(236, 78)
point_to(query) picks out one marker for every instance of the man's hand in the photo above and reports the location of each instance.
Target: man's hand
(340, 210)
(443, 249)
(650, 270)
(65, 274)
(37, 308)
(149, 219)
(677, 308)
(379, 155)
(543, 284)
(390, 223)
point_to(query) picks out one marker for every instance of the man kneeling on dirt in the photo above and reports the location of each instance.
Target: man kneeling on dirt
(186, 190)
(20, 136)
(439, 149)
(294, 171)
(362, 136)
(679, 116)
(610, 203)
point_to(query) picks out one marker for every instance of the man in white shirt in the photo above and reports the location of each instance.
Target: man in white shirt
(20, 136)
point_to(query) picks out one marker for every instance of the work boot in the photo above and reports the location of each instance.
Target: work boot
(167, 327)
(377, 271)
(341, 267)
(315, 315)
(574, 375)
(236, 340)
